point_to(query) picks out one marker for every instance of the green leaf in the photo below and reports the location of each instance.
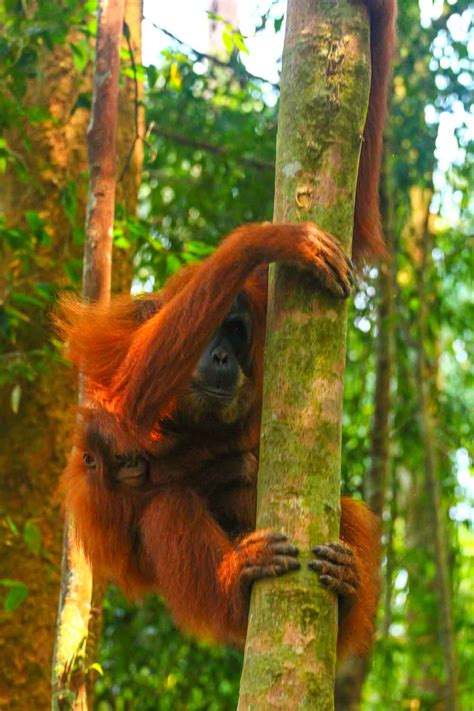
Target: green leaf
(240, 42)
(81, 55)
(151, 75)
(213, 16)
(83, 101)
(228, 40)
(17, 593)
(11, 525)
(21, 299)
(175, 76)
(122, 242)
(34, 221)
(199, 248)
(69, 201)
(32, 536)
(78, 236)
(45, 290)
(73, 269)
(37, 227)
(11, 311)
(96, 667)
(173, 263)
(15, 398)
(277, 23)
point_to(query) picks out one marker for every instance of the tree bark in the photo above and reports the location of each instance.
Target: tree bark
(390, 555)
(426, 538)
(352, 674)
(425, 386)
(290, 651)
(29, 475)
(69, 663)
(33, 440)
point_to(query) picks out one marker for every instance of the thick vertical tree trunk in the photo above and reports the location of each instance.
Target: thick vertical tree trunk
(69, 663)
(290, 652)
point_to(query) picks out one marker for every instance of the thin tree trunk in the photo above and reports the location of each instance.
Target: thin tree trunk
(352, 674)
(69, 672)
(390, 556)
(443, 573)
(290, 652)
(426, 538)
(130, 131)
(425, 385)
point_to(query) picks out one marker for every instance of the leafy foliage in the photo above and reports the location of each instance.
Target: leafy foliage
(28, 250)
(181, 673)
(210, 143)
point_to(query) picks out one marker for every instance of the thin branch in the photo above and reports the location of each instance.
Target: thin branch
(70, 651)
(211, 148)
(126, 33)
(237, 69)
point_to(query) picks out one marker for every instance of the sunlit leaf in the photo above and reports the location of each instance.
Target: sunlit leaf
(240, 42)
(97, 667)
(175, 76)
(228, 40)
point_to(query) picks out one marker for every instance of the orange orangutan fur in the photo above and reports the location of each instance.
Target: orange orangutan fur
(166, 534)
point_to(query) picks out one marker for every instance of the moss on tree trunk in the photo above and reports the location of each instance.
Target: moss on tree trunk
(290, 652)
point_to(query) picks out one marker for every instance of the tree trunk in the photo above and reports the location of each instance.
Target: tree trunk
(33, 441)
(390, 555)
(56, 163)
(130, 132)
(425, 386)
(352, 674)
(438, 530)
(290, 652)
(69, 663)
(426, 539)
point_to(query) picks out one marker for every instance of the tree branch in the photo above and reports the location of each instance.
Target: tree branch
(211, 148)
(236, 68)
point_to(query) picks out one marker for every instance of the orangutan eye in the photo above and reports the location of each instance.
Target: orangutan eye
(236, 331)
(89, 460)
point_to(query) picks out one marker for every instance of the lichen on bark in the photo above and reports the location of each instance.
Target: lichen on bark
(290, 651)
